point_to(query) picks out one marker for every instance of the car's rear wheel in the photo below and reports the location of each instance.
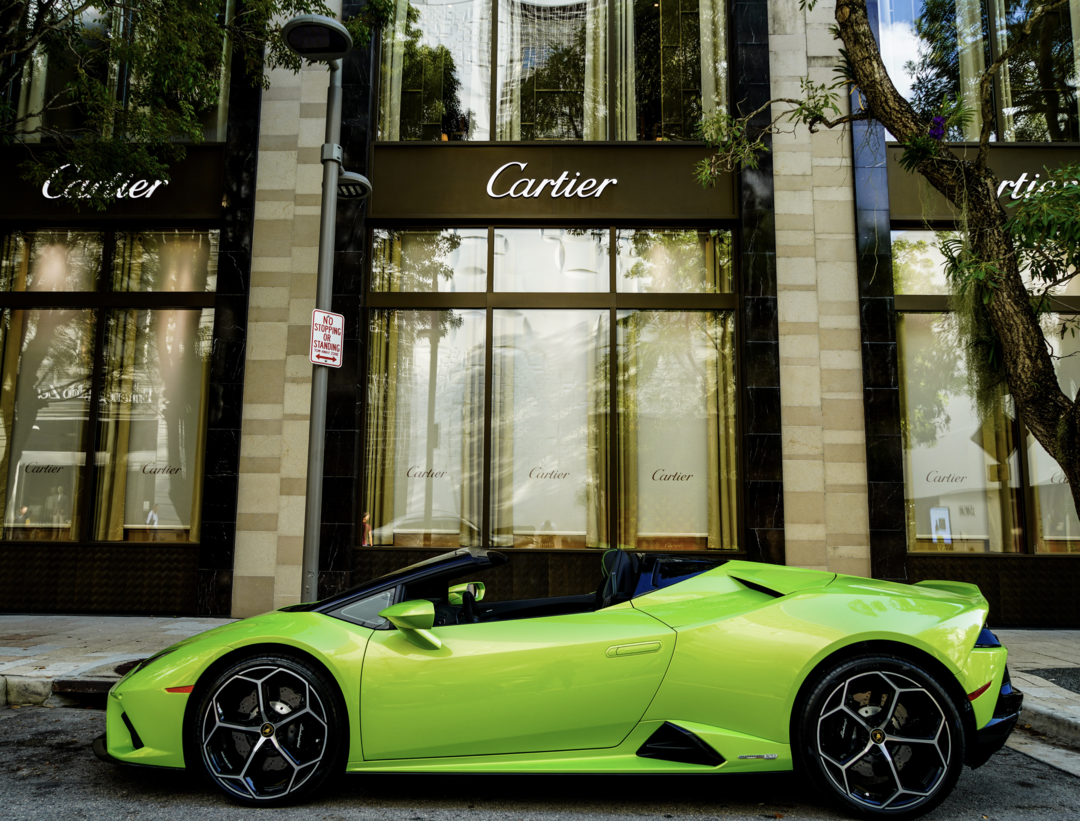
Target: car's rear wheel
(881, 736)
(268, 730)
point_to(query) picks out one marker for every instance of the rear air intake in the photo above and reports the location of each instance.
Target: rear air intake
(672, 743)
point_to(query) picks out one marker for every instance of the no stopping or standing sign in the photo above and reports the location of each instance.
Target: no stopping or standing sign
(327, 338)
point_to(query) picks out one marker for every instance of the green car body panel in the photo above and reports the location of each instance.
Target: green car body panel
(722, 654)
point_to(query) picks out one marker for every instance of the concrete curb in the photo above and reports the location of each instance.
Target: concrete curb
(1060, 723)
(24, 691)
(34, 691)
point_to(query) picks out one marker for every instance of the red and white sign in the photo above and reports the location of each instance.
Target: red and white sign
(327, 338)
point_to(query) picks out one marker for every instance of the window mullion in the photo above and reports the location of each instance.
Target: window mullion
(97, 378)
(493, 103)
(489, 346)
(1027, 506)
(613, 499)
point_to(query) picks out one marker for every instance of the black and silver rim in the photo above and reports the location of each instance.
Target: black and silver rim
(884, 741)
(264, 733)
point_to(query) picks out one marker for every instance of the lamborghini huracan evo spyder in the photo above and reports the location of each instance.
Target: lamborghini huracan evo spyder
(881, 692)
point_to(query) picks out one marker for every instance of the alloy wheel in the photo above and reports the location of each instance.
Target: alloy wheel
(264, 732)
(884, 740)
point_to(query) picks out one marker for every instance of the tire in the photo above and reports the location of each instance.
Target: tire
(268, 731)
(880, 736)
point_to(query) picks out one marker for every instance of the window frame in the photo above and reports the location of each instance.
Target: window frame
(100, 301)
(939, 304)
(489, 301)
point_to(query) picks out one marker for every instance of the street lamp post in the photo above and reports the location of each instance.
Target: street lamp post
(322, 39)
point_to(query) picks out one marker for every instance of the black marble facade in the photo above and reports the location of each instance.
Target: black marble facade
(881, 378)
(759, 333)
(226, 389)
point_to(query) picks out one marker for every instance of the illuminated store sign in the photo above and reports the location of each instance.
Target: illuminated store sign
(118, 187)
(563, 186)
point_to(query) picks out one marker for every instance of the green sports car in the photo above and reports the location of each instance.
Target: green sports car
(881, 692)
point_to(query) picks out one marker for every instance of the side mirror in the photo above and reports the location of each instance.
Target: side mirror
(476, 588)
(415, 619)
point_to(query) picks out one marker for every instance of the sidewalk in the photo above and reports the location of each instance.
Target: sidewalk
(44, 658)
(1045, 666)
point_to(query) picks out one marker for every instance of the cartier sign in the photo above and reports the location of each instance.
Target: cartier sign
(1020, 170)
(118, 187)
(195, 191)
(563, 186)
(492, 182)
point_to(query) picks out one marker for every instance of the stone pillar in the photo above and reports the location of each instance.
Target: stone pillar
(825, 499)
(277, 394)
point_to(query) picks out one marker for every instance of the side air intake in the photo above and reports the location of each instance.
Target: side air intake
(672, 743)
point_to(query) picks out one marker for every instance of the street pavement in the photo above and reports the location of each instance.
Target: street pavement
(47, 770)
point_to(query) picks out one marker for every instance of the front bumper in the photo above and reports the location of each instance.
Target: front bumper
(993, 736)
(101, 750)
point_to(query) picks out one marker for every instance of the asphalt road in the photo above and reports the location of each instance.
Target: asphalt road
(48, 772)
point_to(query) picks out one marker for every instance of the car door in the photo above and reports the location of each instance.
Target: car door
(568, 682)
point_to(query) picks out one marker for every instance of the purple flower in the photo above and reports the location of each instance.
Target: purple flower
(937, 129)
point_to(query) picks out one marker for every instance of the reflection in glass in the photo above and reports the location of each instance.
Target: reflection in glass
(43, 94)
(562, 260)
(673, 261)
(436, 71)
(553, 75)
(51, 261)
(677, 433)
(1057, 525)
(166, 261)
(1039, 101)
(961, 475)
(936, 49)
(918, 265)
(552, 70)
(675, 67)
(447, 260)
(550, 433)
(152, 428)
(425, 429)
(939, 48)
(44, 414)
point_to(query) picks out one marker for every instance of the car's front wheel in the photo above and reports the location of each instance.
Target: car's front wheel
(881, 736)
(268, 730)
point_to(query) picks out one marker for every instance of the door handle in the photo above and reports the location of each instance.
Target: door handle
(633, 649)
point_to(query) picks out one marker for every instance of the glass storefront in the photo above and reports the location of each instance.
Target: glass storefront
(103, 408)
(936, 50)
(45, 98)
(971, 486)
(522, 404)
(595, 70)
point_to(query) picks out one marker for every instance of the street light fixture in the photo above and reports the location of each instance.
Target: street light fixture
(317, 38)
(322, 39)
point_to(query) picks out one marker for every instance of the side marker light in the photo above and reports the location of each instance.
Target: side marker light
(979, 692)
(191, 687)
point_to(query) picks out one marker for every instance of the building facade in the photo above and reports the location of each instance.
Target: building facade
(556, 340)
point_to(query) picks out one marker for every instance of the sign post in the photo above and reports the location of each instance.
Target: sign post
(327, 338)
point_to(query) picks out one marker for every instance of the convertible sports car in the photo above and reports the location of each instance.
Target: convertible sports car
(880, 691)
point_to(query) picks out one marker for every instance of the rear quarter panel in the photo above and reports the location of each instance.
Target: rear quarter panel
(741, 656)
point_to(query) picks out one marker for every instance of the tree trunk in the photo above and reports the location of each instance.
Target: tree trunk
(1050, 415)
